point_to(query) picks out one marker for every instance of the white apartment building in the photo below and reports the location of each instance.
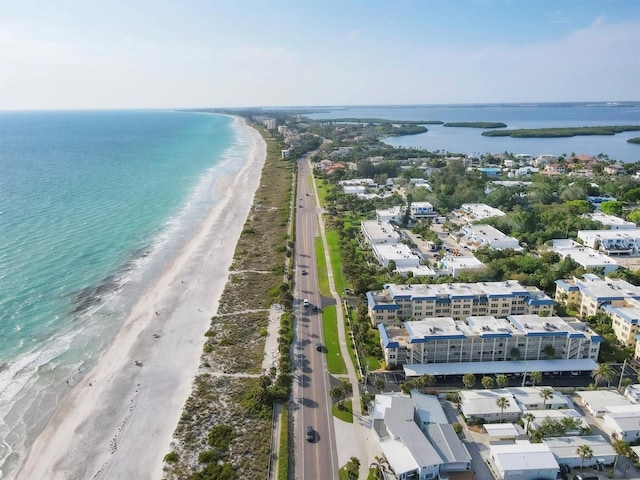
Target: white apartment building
(610, 221)
(454, 266)
(612, 242)
(378, 232)
(422, 210)
(480, 211)
(397, 303)
(393, 214)
(476, 236)
(517, 338)
(586, 257)
(591, 292)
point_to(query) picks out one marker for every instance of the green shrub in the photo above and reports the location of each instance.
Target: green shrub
(171, 457)
(207, 456)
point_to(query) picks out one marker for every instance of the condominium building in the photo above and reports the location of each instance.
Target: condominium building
(476, 236)
(612, 242)
(610, 221)
(518, 338)
(397, 303)
(480, 211)
(591, 293)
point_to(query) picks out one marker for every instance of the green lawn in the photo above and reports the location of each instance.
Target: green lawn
(321, 266)
(348, 315)
(335, 362)
(346, 414)
(283, 450)
(333, 240)
(323, 189)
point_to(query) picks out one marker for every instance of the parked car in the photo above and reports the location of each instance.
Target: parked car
(311, 435)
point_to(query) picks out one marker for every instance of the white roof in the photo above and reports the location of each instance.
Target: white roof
(481, 402)
(587, 257)
(531, 396)
(524, 456)
(501, 430)
(398, 456)
(566, 447)
(380, 230)
(599, 400)
(630, 234)
(610, 220)
(456, 263)
(482, 210)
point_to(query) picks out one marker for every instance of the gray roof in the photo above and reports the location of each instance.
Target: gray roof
(446, 442)
(428, 408)
(400, 423)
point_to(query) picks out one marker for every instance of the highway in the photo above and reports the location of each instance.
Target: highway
(316, 459)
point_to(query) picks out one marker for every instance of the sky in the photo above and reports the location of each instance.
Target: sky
(112, 54)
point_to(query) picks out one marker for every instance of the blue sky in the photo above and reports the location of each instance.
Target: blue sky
(68, 54)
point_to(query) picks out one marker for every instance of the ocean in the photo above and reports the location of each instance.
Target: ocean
(470, 141)
(92, 206)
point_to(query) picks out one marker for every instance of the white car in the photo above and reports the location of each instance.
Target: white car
(305, 303)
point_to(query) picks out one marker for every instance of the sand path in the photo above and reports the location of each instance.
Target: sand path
(118, 423)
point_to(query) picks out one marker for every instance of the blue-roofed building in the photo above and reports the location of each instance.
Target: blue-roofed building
(591, 293)
(487, 339)
(397, 303)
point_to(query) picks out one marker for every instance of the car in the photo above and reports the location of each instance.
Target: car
(319, 346)
(584, 477)
(305, 303)
(304, 272)
(311, 435)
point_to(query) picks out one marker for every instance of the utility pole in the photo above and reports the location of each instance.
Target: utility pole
(624, 365)
(524, 375)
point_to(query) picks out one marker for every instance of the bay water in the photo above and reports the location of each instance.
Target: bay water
(469, 141)
(92, 207)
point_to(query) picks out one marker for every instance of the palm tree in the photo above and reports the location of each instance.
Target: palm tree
(585, 453)
(536, 377)
(469, 380)
(546, 394)
(381, 464)
(502, 402)
(515, 354)
(340, 391)
(353, 468)
(425, 381)
(604, 373)
(528, 418)
(487, 382)
(549, 351)
(622, 449)
(502, 381)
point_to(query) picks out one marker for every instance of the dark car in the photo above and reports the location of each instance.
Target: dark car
(311, 435)
(319, 347)
(304, 272)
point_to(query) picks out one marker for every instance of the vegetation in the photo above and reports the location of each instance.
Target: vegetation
(335, 362)
(344, 413)
(561, 132)
(551, 427)
(211, 439)
(634, 140)
(468, 380)
(340, 391)
(284, 447)
(502, 402)
(476, 124)
(383, 120)
(604, 373)
(585, 453)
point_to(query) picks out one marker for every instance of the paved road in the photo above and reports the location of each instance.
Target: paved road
(316, 459)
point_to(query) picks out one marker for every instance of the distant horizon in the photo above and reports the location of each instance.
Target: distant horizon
(595, 103)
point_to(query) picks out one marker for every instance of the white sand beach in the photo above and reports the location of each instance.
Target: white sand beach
(119, 421)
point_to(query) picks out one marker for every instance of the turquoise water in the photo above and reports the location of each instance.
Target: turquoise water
(470, 141)
(92, 204)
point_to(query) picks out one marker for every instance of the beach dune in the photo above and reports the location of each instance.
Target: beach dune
(119, 421)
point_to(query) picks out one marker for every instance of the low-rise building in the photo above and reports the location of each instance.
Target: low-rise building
(623, 424)
(598, 401)
(586, 257)
(625, 320)
(487, 339)
(612, 242)
(421, 210)
(610, 221)
(632, 392)
(530, 398)
(377, 232)
(454, 266)
(523, 461)
(483, 404)
(480, 211)
(415, 437)
(393, 214)
(565, 450)
(475, 236)
(397, 303)
(398, 253)
(541, 415)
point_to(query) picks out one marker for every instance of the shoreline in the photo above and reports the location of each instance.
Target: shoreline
(119, 422)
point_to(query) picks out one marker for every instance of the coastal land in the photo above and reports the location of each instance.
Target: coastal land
(119, 421)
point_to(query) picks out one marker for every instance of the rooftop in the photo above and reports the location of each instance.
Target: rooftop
(610, 220)
(524, 456)
(566, 447)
